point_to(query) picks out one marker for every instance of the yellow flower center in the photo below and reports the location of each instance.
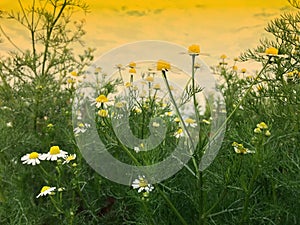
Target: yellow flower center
(143, 182)
(161, 64)
(132, 64)
(189, 121)
(101, 99)
(179, 131)
(194, 49)
(33, 155)
(45, 188)
(235, 68)
(168, 113)
(271, 51)
(132, 70)
(54, 150)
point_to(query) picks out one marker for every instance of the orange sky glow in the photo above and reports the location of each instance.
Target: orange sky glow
(219, 27)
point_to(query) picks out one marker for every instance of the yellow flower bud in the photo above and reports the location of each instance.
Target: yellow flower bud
(102, 113)
(156, 87)
(132, 64)
(74, 74)
(223, 56)
(132, 70)
(262, 125)
(149, 79)
(127, 84)
(268, 133)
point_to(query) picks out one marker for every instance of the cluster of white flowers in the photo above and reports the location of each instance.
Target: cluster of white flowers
(54, 154)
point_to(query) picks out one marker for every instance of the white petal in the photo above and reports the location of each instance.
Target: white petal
(25, 157)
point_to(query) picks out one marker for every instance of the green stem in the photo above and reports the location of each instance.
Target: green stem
(181, 119)
(193, 87)
(172, 206)
(199, 173)
(44, 171)
(55, 205)
(130, 154)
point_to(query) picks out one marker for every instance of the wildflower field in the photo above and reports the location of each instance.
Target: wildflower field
(146, 143)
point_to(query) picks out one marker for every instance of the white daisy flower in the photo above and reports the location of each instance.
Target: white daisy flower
(142, 184)
(32, 158)
(54, 153)
(99, 101)
(82, 127)
(69, 158)
(170, 113)
(273, 52)
(179, 133)
(240, 149)
(46, 190)
(190, 122)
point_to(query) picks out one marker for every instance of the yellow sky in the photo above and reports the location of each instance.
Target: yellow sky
(218, 26)
(186, 4)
